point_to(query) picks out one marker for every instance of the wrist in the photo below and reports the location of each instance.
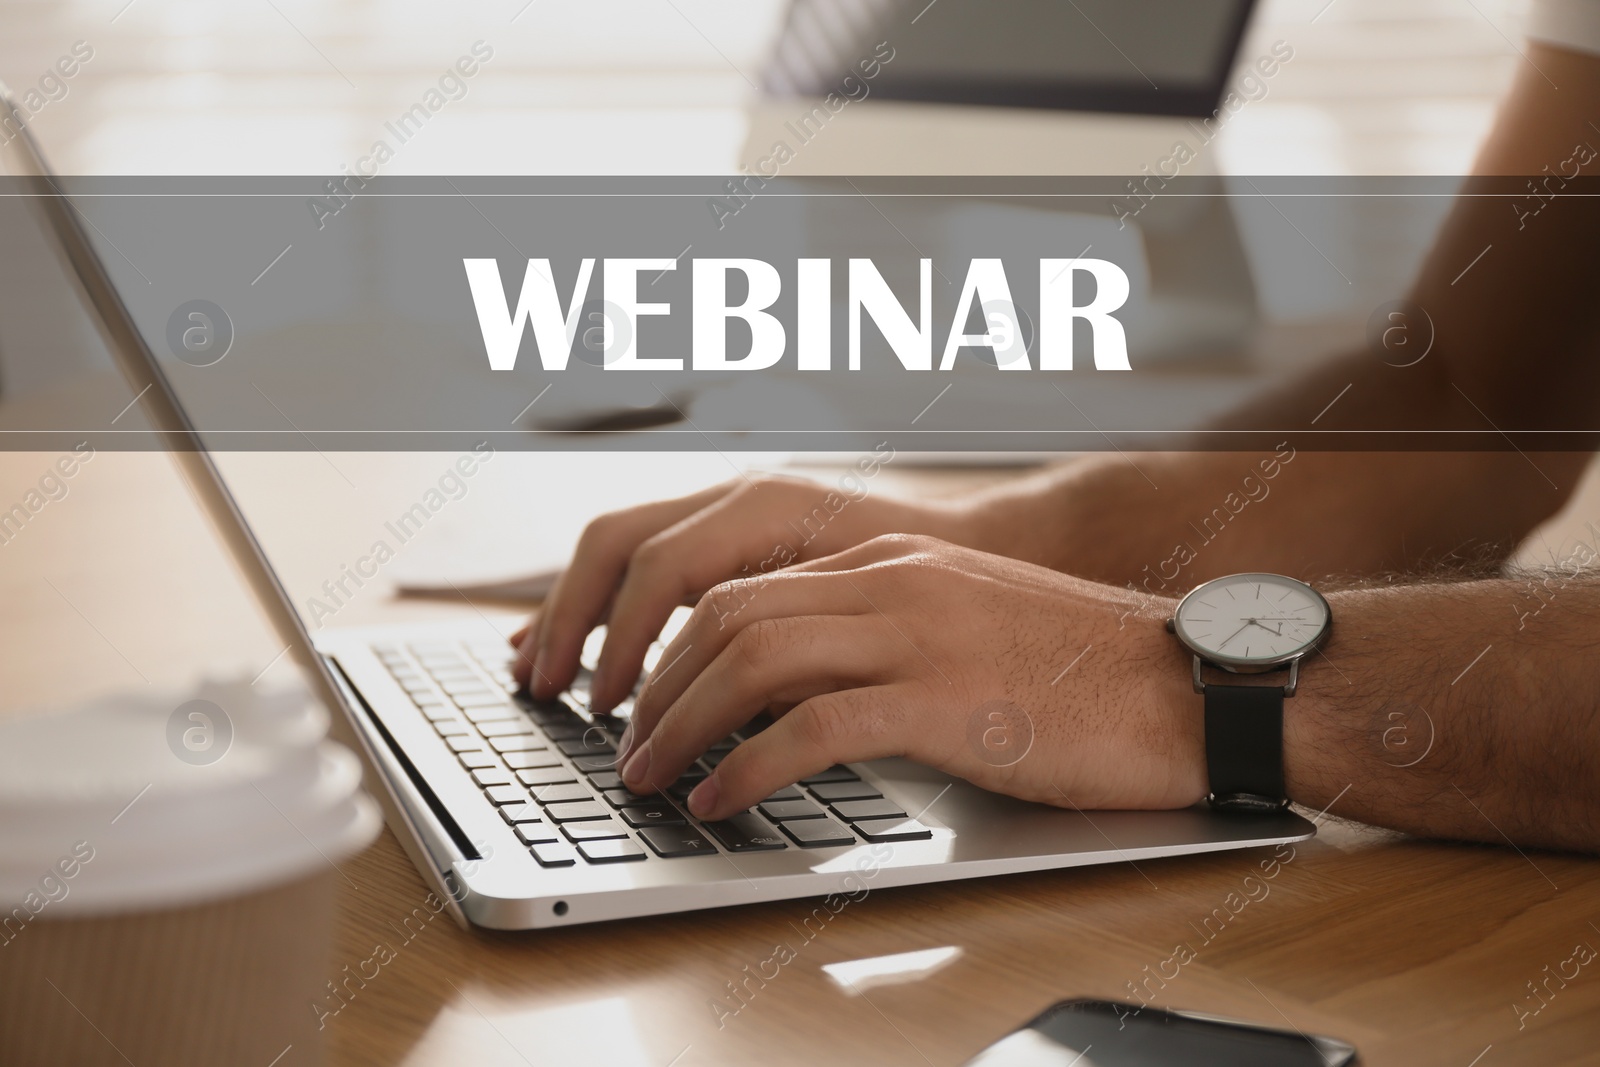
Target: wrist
(1164, 696)
(1172, 694)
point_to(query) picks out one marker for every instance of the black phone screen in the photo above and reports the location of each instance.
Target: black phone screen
(1098, 1033)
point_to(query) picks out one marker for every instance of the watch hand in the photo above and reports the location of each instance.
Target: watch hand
(1278, 632)
(1235, 633)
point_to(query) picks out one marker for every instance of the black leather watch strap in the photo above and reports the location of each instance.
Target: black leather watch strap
(1244, 746)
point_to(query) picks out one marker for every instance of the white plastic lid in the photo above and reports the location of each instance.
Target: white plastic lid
(157, 800)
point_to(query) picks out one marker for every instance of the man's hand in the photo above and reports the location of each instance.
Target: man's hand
(635, 566)
(910, 646)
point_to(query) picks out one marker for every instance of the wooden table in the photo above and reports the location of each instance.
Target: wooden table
(1418, 952)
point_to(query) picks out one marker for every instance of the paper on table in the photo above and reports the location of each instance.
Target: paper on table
(512, 534)
(524, 587)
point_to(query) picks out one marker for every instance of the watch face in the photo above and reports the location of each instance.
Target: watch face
(1251, 620)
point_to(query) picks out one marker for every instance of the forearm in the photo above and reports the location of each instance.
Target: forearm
(1467, 711)
(1516, 346)
(1165, 522)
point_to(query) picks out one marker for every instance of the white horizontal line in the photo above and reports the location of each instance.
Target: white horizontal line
(849, 430)
(1100, 195)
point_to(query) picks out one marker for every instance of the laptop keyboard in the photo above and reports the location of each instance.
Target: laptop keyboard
(550, 770)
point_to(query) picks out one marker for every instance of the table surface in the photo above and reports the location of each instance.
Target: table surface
(1418, 952)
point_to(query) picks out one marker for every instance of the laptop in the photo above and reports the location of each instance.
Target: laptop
(512, 809)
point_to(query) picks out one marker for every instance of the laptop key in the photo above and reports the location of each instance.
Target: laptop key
(788, 792)
(562, 793)
(711, 759)
(569, 729)
(541, 776)
(519, 761)
(592, 744)
(451, 727)
(495, 713)
(781, 810)
(506, 794)
(453, 673)
(597, 830)
(518, 743)
(746, 832)
(503, 727)
(623, 797)
(474, 760)
(578, 811)
(537, 833)
(492, 776)
(670, 842)
(515, 813)
(829, 792)
(435, 712)
(685, 785)
(556, 854)
(464, 743)
(591, 764)
(547, 713)
(478, 700)
(835, 773)
(605, 780)
(854, 810)
(641, 815)
(817, 833)
(892, 830)
(615, 851)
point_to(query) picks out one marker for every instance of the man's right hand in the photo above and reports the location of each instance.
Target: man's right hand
(632, 567)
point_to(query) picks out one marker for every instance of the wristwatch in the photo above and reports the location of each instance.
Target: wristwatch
(1248, 624)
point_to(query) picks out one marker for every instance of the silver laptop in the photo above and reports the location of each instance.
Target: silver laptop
(511, 808)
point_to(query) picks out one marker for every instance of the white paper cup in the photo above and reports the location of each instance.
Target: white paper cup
(167, 878)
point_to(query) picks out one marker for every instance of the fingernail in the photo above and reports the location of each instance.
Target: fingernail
(625, 745)
(704, 797)
(635, 771)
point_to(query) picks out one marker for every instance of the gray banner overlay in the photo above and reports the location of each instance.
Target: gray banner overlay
(972, 314)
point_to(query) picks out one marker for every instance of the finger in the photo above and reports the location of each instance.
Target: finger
(783, 660)
(579, 598)
(522, 660)
(718, 619)
(748, 532)
(865, 554)
(839, 727)
(515, 640)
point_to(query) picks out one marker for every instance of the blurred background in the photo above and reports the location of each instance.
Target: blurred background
(628, 87)
(655, 86)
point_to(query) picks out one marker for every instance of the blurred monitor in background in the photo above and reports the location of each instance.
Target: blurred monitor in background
(1154, 57)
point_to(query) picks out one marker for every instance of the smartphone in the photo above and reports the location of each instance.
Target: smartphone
(1104, 1033)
